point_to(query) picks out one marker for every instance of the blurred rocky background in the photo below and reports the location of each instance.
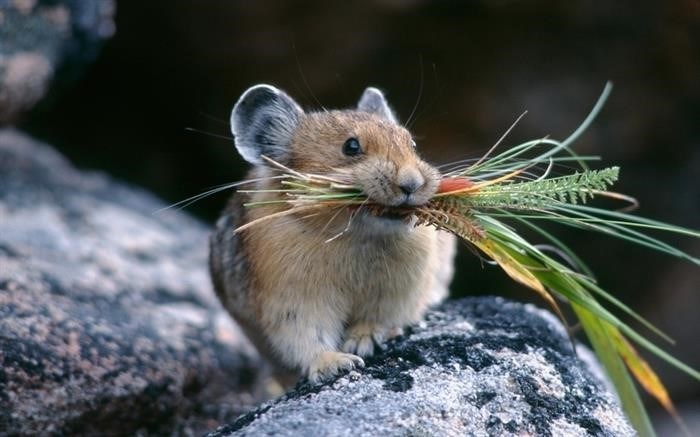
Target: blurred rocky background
(463, 70)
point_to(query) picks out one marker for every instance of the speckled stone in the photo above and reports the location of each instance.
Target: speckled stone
(108, 322)
(475, 367)
(109, 326)
(42, 41)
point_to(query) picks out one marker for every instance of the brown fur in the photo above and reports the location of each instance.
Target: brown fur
(307, 288)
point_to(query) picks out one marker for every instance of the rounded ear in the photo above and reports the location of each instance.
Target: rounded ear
(373, 101)
(263, 122)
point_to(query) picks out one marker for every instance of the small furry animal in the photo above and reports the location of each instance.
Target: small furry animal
(309, 304)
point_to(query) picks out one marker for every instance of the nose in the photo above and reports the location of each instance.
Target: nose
(409, 180)
(410, 187)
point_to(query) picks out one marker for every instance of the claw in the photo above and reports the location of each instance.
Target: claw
(364, 337)
(330, 363)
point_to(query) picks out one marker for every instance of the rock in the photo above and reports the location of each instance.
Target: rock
(108, 323)
(43, 41)
(477, 367)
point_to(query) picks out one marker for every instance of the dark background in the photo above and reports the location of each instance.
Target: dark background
(476, 65)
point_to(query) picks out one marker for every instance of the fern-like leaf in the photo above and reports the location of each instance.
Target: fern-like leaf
(544, 193)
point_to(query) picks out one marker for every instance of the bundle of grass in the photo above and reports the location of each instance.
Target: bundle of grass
(485, 200)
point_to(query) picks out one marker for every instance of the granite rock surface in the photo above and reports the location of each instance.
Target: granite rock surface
(477, 366)
(108, 323)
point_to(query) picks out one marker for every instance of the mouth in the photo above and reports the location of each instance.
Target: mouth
(394, 213)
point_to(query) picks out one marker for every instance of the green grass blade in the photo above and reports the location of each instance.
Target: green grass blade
(556, 277)
(586, 282)
(616, 371)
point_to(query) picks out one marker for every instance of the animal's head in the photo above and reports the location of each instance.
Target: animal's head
(366, 145)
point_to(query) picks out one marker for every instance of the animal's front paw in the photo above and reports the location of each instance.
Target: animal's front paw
(361, 338)
(329, 363)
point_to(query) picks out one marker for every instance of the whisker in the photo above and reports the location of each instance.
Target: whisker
(283, 224)
(420, 94)
(190, 200)
(303, 79)
(214, 118)
(430, 104)
(335, 237)
(209, 134)
(455, 163)
(353, 214)
(338, 209)
(286, 212)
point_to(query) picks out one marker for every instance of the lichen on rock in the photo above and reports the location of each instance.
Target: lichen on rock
(478, 366)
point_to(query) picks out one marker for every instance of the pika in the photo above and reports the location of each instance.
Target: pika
(311, 303)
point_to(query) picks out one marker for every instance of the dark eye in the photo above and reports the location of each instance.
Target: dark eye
(351, 147)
